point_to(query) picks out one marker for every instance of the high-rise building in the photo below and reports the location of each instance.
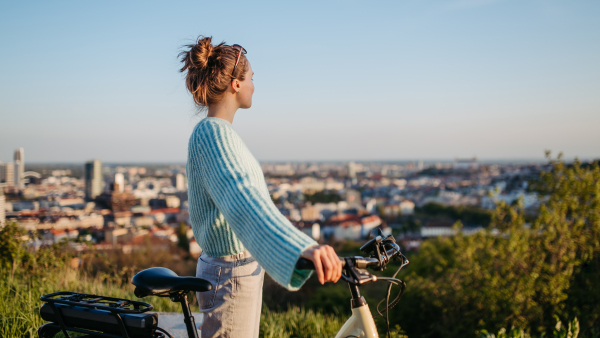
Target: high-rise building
(2, 212)
(7, 173)
(18, 177)
(93, 179)
(179, 182)
(351, 169)
(19, 167)
(119, 182)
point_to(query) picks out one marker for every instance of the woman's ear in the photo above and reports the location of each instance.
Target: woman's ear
(235, 85)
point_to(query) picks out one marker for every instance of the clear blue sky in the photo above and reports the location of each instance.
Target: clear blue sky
(335, 80)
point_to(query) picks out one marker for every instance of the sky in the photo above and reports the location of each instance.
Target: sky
(335, 80)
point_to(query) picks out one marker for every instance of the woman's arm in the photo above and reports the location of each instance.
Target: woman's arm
(265, 232)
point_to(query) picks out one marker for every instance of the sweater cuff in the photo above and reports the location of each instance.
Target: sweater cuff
(299, 277)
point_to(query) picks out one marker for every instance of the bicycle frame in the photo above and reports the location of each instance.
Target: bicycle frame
(361, 323)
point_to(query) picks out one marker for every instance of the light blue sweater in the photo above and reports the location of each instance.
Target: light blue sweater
(230, 206)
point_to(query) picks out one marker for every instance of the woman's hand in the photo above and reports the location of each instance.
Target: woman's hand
(326, 261)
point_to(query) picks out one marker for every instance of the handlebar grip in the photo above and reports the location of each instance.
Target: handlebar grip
(306, 264)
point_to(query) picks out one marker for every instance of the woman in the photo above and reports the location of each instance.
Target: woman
(234, 220)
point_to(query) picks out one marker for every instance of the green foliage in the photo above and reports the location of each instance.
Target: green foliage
(322, 197)
(412, 225)
(27, 275)
(182, 240)
(112, 266)
(12, 253)
(16, 258)
(464, 213)
(381, 211)
(513, 274)
(560, 331)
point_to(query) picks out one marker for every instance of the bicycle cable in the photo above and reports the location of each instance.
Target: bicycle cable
(392, 281)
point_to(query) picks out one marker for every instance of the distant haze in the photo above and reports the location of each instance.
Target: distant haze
(334, 80)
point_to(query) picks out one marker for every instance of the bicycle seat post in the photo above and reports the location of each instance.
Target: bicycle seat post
(190, 324)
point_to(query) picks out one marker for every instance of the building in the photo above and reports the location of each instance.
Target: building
(93, 179)
(119, 185)
(436, 229)
(19, 167)
(353, 198)
(7, 173)
(350, 227)
(369, 223)
(312, 229)
(348, 230)
(407, 207)
(311, 185)
(53, 236)
(164, 201)
(310, 213)
(351, 170)
(179, 182)
(2, 210)
(466, 164)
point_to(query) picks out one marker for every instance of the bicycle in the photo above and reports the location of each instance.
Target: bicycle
(99, 316)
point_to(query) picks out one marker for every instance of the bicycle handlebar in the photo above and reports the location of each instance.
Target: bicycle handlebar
(307, 264)
(360, 262)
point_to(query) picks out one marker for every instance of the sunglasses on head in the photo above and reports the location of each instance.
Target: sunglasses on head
(240, 50)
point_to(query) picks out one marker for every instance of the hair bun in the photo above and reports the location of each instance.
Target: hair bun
(202, 52)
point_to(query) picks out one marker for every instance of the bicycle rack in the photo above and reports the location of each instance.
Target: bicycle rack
(115, 306)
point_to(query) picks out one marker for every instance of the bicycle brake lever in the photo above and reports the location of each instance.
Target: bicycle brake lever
(357, 276)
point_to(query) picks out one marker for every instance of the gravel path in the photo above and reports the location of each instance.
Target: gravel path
(173, 323)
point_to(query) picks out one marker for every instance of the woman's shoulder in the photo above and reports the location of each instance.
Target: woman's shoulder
(212, 126)
(214, 130)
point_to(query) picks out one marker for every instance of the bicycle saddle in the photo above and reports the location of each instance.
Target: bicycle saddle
(157, 281)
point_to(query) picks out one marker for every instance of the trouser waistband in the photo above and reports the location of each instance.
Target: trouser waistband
(231, 258)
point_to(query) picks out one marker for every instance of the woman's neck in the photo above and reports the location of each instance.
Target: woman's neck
(224, 109)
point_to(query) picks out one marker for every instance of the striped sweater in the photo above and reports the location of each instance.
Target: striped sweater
(230, 206)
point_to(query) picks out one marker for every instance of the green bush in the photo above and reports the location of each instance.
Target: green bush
(25, 276)
(466, 214)
(513, 274)
(560, 331)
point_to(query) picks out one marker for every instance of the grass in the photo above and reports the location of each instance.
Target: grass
(20, 297)
(297, 322)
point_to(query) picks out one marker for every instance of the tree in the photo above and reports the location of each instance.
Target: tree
(182, 239)
(513, 273)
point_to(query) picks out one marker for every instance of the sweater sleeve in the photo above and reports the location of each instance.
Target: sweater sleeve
(263, 230)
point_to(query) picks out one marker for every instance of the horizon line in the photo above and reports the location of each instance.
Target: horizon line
(490, 159)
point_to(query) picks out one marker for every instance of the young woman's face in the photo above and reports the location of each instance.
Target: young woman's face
(244, 96)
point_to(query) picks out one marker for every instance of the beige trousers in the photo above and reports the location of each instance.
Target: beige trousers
(232, 308)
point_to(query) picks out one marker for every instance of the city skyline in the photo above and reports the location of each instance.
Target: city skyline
(364, 82)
